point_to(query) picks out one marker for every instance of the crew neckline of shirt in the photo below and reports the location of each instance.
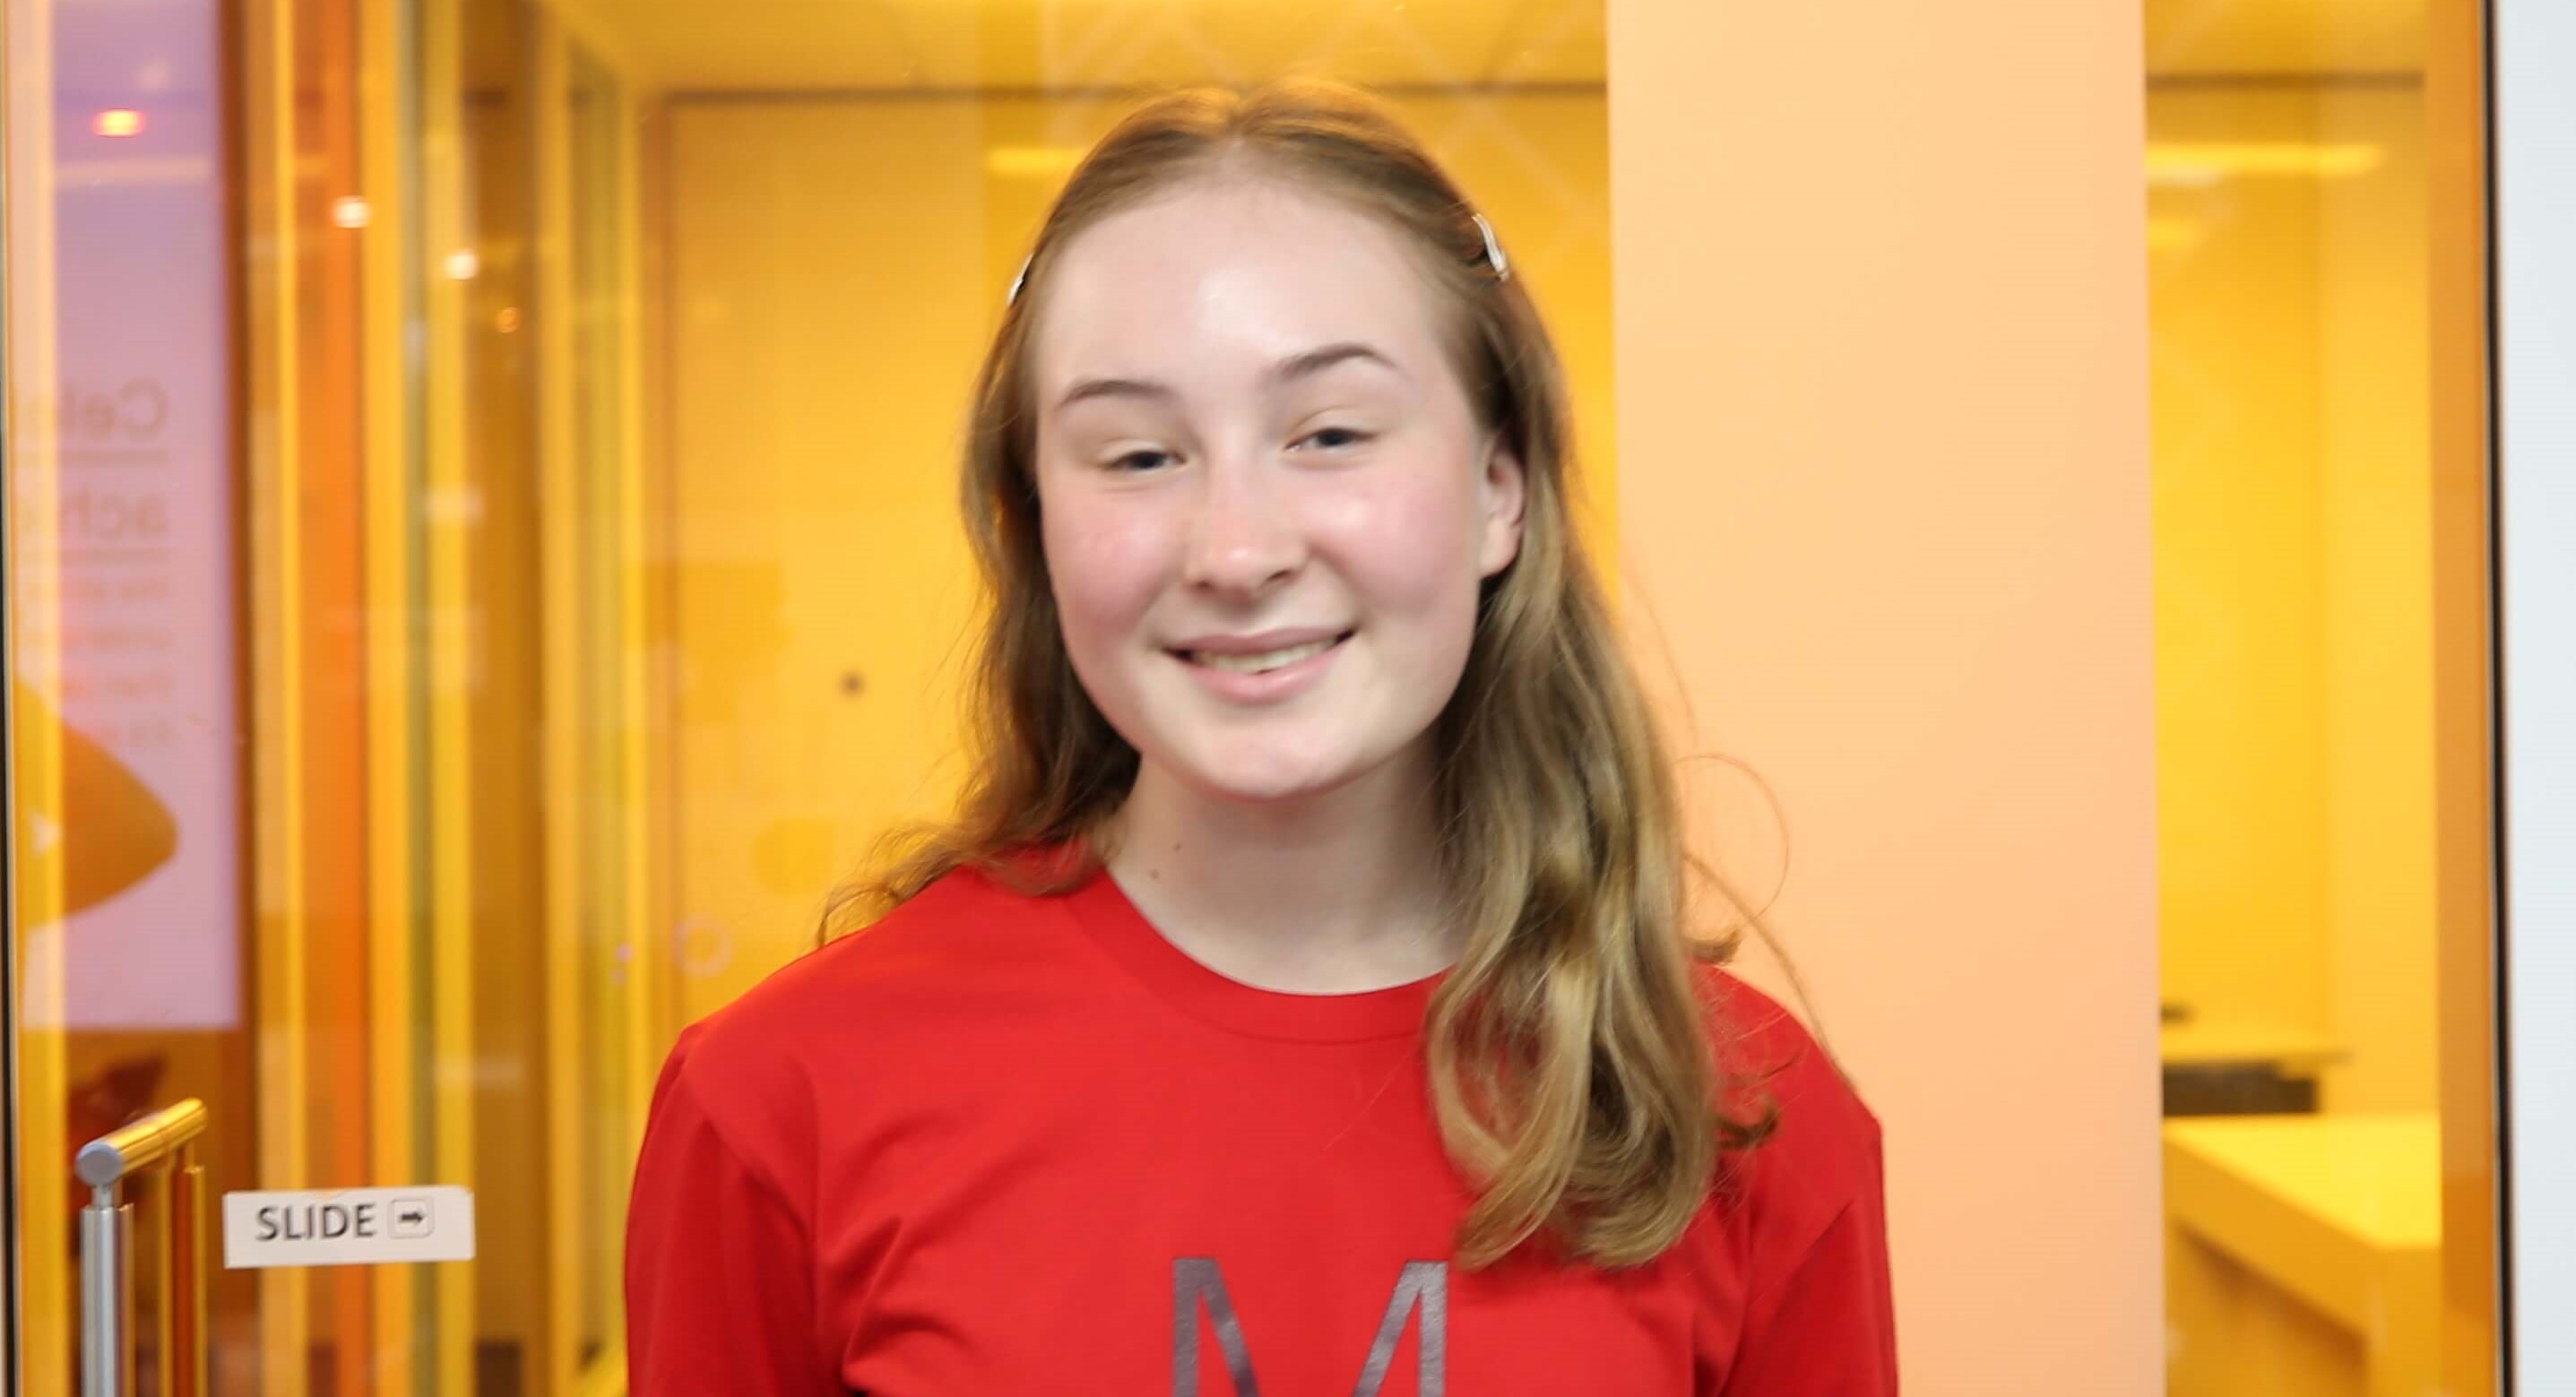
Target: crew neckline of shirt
(1102, 909)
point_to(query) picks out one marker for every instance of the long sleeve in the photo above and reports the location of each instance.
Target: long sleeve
(1828, 1327)
(719, 1270)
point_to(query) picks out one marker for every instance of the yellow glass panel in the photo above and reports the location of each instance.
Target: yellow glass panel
(2320, 576)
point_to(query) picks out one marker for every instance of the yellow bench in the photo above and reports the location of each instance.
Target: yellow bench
(2303, 1255)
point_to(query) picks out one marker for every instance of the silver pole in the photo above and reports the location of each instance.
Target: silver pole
(107, 1254)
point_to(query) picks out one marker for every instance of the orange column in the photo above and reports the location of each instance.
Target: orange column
(1883, 493)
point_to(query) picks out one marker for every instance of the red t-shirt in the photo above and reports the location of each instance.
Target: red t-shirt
(1003, 1146)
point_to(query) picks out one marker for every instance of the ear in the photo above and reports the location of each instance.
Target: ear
(1504, 488)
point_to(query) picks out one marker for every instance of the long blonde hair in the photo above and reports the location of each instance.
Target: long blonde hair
(1570, 1067)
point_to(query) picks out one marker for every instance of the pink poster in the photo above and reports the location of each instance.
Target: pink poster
(149, 837)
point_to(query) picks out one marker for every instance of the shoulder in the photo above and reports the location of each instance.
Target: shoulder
(1791, 1253)
(945, 939)
(1822, 1149)
(861, 1007)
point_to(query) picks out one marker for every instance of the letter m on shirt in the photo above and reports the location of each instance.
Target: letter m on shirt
(1423, 1288)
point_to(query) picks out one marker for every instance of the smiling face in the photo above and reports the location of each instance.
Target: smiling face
(1266, 503)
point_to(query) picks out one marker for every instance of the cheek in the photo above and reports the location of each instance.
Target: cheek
(1105, 566)
(1409, 549)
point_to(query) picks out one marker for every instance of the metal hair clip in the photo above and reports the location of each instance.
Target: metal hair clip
(1013, 298)
(1493, 249)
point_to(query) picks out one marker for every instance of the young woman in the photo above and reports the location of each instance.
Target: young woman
(1301, 1002)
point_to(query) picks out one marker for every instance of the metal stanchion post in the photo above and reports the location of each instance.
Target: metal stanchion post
(107, 1255)
(185, 1363)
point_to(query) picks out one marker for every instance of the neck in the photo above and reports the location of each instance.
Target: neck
(1335, 892)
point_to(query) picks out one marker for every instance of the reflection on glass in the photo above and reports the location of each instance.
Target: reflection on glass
(2309, 674)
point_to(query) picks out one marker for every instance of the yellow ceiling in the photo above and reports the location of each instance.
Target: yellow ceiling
(895, 45)
(2352, 37)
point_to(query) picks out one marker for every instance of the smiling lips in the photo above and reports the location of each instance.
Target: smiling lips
(1263, 653)
(1263, 662)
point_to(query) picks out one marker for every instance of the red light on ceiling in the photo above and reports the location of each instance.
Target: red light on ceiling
(118, 121)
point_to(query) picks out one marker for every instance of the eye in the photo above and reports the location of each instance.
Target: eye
(1332, 439)
(1143, 458)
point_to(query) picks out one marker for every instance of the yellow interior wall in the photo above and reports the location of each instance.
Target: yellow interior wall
(829, 294)
(2294, 588)
(2240, 778)
(2381, 733)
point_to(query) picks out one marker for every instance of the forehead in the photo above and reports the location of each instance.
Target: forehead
(1229, 275)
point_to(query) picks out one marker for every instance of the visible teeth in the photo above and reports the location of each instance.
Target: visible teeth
(1256, 664)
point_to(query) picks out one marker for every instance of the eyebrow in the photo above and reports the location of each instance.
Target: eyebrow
(1088, 388)
(1295, 366)
(1315, 361)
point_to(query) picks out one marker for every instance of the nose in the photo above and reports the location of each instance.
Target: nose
(1242, 539)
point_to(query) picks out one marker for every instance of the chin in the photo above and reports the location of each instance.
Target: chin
(1252, 776)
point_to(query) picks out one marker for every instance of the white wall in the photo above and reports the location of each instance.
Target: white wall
(2535, 115)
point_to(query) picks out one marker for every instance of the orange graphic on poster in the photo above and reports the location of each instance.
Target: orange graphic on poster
(111, 831)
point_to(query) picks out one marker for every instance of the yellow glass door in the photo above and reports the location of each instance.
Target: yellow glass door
(328, 661)
(2315, 232)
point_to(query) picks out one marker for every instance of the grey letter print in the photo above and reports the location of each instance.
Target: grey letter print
(1423, 1286)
